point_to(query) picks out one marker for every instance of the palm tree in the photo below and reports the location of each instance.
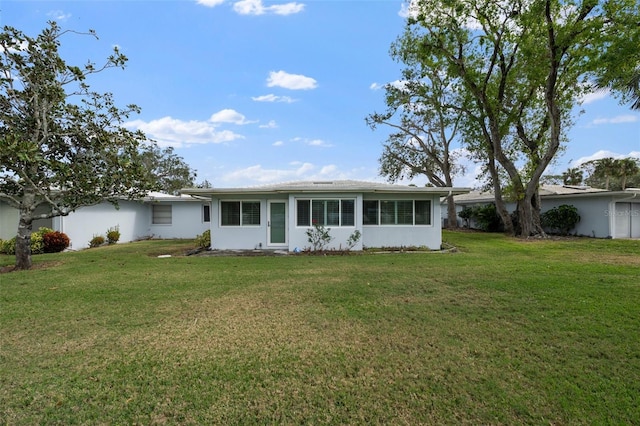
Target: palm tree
(627, 167)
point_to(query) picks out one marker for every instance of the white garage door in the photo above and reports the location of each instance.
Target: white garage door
(627, 220)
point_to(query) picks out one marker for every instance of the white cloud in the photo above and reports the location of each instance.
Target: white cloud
(58, 15)
(629, 118)
(318, 143)
(256, 7)
(290, 81)
(210, 3)
(604, 154)
(229, 116)
(278, 143)
(259, 175)
(591, 97)
(273, 98)
(270, 125)
(168, 131)
(376, 86)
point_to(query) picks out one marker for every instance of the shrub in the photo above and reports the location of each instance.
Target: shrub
(561, 219)
(55, 242)
(485, 216)
(353, 239)
(319, 237)
(113, 235)
(37, 245)
(204, 240)
(8, 246)
(96, 241)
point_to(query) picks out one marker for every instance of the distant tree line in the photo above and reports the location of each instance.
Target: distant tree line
(613, 174)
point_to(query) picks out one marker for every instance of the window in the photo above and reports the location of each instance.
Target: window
(161, 214)
(325, 212)
(396, 212)
(370, 212)
(206, 213)
(240, 213)
(423, 212)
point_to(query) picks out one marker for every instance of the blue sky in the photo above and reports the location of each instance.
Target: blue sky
(253, 92)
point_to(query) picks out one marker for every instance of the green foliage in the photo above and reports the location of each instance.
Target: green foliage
(62, 145)
(561, 219)
(353, 239)
(55, 242)
(37, 244)
(485, 217)
(204, 240)
(170, 172)
(113, 235)
(612, 173)
(319, 237)
(96, 241)
(8, 246)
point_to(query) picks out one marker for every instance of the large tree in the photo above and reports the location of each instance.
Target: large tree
(425, 127)
(62, 146)
(523, 65)
(167, 168)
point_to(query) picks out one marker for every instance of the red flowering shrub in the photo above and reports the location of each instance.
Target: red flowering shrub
(55, 242)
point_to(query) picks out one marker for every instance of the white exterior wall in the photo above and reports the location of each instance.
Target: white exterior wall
(404, 235)
(240, 237)
(254, 237)
(8, 221)
(86, 222)
(595, 214)
(187, 221)
(340, 234)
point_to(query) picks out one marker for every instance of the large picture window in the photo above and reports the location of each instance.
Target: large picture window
(161, 214)
(396, 212)
(240, 213)
(325, 212)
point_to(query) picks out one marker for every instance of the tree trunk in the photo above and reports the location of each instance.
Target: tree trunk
(529, 214)
(452, 217)
(25, 227)
(23, 243)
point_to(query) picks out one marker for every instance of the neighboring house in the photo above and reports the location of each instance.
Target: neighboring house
(156, 216)
(278, 216)
(603, 214)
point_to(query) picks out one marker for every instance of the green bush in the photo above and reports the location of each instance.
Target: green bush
(204, 240)
(486, 217)
(113, 235)
(319, 237)
(8, 246)
(96, 241)
(561, 219)
(37, 244)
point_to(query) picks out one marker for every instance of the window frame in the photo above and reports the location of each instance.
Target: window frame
(157, 214)
(322, 211)
(397, 212)
(242, 214)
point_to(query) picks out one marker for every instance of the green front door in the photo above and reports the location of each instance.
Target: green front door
(277, 223)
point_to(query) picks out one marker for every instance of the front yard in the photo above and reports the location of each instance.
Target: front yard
(503, 331)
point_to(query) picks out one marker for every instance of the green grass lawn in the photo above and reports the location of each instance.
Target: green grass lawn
(504, 331)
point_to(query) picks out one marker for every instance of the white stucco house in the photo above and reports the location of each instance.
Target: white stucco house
(158, 215)
(278, 216)
(603, 214)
